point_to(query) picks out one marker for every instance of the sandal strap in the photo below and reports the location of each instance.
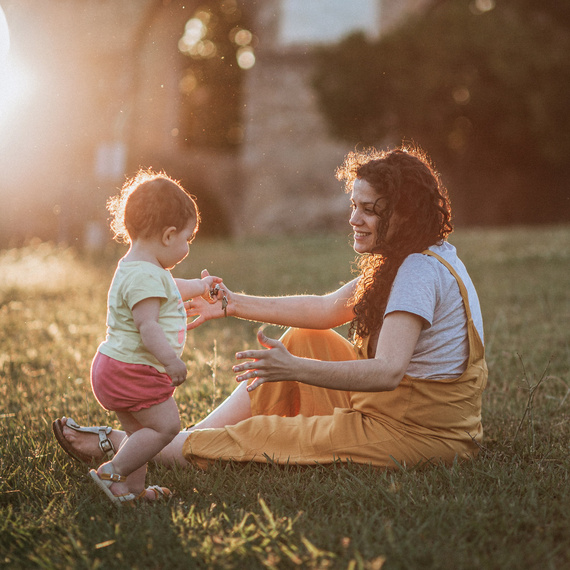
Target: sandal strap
(105, 444)
(71, 423)
(114, 477)
(128, 498)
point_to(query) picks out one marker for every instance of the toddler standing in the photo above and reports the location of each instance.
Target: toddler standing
(138, 366)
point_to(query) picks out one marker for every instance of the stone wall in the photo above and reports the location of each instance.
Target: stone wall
(288, 157)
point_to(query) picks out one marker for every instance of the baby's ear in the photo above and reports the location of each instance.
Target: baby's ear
(168, 234)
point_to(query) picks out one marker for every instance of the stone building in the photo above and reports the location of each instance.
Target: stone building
(105, 94)
(288, 156)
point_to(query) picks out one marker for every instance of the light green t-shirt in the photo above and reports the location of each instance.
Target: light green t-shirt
(134, 281)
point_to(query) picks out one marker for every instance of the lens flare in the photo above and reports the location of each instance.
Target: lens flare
(4, 37)
(16, 87)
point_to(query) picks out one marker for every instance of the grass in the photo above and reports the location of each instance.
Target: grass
(510, 508)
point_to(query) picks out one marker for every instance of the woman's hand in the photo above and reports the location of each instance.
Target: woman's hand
(208, 307)
(272, 365)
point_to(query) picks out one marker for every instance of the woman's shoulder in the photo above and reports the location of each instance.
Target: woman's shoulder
(420, 262)
(427, 269)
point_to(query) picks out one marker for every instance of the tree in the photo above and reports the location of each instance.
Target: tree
(482, 86)
(217, 47)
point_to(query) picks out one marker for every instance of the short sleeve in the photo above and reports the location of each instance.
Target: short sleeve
(414, 289)
(143, 285)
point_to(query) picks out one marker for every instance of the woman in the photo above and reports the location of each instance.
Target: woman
(407, 390)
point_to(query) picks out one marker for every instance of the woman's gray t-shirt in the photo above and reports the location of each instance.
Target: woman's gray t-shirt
(425, 287)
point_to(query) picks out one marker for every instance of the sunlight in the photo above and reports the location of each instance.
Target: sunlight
(4, 36)
(16, 87)
(16, 84)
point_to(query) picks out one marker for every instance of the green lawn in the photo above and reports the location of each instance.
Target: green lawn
(510, 508)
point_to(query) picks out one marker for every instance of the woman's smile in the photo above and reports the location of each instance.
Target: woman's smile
(364, 220)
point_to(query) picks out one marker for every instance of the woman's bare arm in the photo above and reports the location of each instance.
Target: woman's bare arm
(396, 344)
(302, 311)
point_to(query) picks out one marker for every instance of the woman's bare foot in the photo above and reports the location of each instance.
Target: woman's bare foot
(85, 444)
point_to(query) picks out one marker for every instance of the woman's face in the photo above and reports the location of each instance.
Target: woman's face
(365, 204)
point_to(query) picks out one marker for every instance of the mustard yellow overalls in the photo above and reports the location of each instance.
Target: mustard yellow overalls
(420, 421)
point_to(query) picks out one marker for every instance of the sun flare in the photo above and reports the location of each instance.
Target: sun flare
(4, 36)
(16, 82)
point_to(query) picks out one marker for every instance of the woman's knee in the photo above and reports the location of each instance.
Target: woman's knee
(300, 338)
(325, 344)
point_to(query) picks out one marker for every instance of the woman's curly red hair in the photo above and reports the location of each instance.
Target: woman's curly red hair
(413, 190)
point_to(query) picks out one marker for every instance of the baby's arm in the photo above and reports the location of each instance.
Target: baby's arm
(145, 315)
(190, 288)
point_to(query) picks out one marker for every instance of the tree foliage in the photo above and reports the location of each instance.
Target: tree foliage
(211, 85)
(482, 85)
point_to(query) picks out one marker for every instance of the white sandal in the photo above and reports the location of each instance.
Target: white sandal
(105, 444)
(104, 482)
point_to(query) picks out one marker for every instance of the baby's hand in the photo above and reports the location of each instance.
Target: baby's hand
(212, 288)
(177, 372)
(210, 281)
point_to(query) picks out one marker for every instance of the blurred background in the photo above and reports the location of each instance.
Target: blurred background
(252, 104)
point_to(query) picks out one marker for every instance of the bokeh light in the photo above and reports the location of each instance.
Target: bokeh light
(245, 57)
(194, 31)
(188, 83)
(481, 6)
(461, 95)
(241, 37)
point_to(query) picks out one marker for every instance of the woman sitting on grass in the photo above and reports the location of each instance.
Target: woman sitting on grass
(407, 390)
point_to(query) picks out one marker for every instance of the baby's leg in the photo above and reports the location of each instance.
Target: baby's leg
(149, 431)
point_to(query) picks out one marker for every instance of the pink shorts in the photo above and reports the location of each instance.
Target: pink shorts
(123, 387)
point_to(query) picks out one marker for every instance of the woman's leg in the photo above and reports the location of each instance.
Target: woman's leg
(233, 410)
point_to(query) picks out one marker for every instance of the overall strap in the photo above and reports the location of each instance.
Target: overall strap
(462, 288)
(476, 347)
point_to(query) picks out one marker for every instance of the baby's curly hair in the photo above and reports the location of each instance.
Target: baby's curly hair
(412, 188)
(149, 203)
